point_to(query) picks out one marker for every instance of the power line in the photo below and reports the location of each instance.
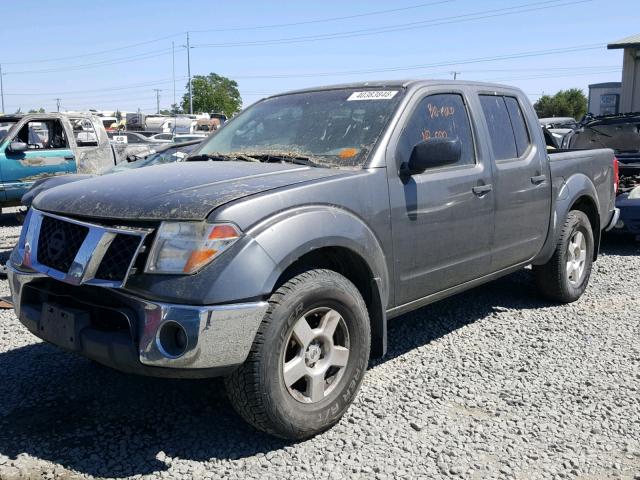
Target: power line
(500, 12)
(132, 58)
(228, 29)
(495, 58)
(324, 20)
(92, 54)
(412, 25)
(560, 75)
(130, 86)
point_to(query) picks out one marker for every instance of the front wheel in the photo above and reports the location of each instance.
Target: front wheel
(565, 277)
(308, 358)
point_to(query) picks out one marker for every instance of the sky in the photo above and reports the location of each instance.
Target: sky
(112, 55)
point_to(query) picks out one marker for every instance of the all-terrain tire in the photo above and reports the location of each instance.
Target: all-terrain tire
(553, 278)
(257, 389)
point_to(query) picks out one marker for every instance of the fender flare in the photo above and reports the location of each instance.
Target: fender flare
(319, 226)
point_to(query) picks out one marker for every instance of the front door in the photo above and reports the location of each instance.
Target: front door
(48, 153)
(442, 219)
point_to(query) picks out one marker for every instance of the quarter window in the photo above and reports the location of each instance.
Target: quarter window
(439, 116)
(84, 132)
(520, 133)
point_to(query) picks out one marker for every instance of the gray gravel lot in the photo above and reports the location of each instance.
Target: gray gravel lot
(493, 383)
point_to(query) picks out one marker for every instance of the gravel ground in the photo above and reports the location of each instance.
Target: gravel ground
(493, 383)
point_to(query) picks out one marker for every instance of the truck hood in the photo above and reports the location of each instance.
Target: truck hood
(176, 191)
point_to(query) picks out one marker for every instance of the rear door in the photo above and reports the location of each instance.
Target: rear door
(442, 229)
(48, 153)
(522, 185)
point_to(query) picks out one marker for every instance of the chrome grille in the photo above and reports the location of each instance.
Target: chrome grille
(78, 252)
(59, 243)
(118, 257)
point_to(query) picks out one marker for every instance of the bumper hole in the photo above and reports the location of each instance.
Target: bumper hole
(173, 339)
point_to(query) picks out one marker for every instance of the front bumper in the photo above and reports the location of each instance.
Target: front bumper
(124, 331)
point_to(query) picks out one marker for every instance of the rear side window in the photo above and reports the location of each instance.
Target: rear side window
(520, 133)
(500, 130)
(439, 116)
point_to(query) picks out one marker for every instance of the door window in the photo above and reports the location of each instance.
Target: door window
(43, 135)
(439, 116)
(500, 130)
(507, 127)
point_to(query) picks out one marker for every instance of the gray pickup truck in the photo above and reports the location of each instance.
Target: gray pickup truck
(277, 254)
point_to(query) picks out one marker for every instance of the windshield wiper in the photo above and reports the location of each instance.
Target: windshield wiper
(221, 157)
(290, 157)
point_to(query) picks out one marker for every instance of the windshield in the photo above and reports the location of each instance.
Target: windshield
(5, 126)
(173, 154)
(335, 128)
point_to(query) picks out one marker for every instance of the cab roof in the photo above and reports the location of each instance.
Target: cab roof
(408, 84)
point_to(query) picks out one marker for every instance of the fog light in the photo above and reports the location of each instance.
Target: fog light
(619, 224)
(172, 339)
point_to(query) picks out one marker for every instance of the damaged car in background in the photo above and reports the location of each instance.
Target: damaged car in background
(559, 127)
(620, 132)
(37, 146)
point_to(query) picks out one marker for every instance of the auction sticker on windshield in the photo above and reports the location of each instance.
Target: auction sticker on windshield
(372, 95)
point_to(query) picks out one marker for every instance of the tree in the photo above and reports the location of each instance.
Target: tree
(565, 103)
(213, 93)
(40, 110)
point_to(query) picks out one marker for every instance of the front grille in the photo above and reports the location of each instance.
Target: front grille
(118, 257)
(59, 242)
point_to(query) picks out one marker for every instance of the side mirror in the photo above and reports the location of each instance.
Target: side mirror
(435, 152)
(18, 147)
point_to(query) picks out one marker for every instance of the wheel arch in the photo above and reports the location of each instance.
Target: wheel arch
(576, 193)
(331, 238)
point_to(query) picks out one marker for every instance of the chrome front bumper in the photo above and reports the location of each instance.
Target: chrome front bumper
(217, 336)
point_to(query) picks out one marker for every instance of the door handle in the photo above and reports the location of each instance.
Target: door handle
(481, 190)
(538, 179)
(69, 157)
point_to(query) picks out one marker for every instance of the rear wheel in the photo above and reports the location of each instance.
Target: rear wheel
(565, 277)
(308, 359)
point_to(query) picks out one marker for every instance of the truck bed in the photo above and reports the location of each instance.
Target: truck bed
(595, 164)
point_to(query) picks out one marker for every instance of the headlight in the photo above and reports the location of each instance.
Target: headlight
(186, 247)
(634, 194)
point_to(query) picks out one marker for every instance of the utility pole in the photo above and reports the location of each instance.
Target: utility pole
(189, 74)
(455, 75)
(188, 47)
(58, 104)
(173, 69)
(1, 88)
(157, 90)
